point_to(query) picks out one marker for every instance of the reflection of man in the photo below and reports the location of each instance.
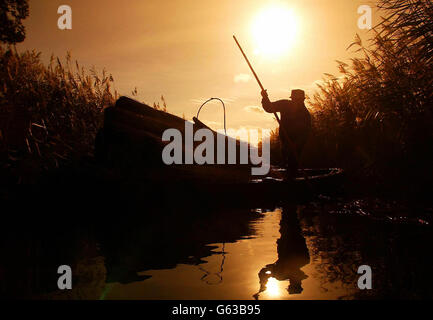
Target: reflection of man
(292, 254)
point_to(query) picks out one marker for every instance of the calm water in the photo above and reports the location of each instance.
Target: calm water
(232, 270)
(289, 251)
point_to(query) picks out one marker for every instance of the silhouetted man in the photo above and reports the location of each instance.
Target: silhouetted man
(294, 129)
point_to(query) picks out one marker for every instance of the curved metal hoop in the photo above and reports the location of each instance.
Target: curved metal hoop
(224, 107)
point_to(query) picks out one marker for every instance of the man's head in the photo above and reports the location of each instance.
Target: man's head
(295, 287)
(298, 95)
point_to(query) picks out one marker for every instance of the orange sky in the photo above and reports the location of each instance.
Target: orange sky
(184, 49)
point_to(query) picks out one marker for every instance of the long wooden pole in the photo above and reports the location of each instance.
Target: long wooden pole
(255, 75)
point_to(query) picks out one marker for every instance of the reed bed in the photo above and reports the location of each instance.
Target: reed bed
(375, 118)
(49, 114)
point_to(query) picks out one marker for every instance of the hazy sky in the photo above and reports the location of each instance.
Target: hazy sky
(184, 49)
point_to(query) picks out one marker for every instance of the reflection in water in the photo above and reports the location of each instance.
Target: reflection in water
(308, 252)
(272, 287)
(230, 270)
(213, 278)
(292, 256)
(316, 255)
(166, 241)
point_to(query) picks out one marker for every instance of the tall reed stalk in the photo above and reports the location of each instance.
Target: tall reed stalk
(376, 117)
(49, 114)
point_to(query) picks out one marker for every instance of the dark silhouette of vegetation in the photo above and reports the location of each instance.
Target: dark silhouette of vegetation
(410, 23)
(12, 14)
(48, 114)
(375, 119)
(162, 107)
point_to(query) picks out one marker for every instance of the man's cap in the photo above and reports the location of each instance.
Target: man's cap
(295, 287)
(298, 94)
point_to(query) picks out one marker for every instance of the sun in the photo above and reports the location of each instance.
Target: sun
(274, 31)
(272, 287)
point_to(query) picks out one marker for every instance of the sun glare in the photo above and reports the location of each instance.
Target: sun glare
(272, 287)
(274, 31)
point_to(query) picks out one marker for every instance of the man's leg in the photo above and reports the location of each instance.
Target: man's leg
(289, 161)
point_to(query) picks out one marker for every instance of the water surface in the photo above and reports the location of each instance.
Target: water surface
(285, 251)
(232, 270)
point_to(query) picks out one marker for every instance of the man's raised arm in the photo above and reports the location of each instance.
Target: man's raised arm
(272, 107)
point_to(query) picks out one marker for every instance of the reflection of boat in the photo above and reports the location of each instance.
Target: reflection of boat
(131, 143)
(166, 239)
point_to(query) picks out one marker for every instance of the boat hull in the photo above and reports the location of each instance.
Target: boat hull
(130, 144)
